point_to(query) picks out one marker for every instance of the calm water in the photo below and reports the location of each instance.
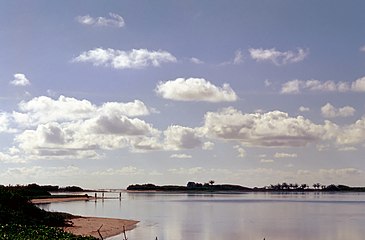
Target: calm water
(309, 216)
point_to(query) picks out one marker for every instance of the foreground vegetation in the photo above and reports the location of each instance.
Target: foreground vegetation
(36, 232)
(20, 219)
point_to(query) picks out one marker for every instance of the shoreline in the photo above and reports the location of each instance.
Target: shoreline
(88, 226)
(61, 199)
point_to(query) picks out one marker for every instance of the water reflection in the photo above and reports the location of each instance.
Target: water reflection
(307, 216)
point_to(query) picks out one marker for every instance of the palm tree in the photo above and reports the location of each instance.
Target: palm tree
(303, 186)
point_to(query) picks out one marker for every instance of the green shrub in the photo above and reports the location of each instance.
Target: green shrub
(21, 232)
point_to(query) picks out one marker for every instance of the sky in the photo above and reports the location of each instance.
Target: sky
(104, 94)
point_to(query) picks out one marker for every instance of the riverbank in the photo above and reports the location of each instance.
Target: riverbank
(88, 226)
(60, 199)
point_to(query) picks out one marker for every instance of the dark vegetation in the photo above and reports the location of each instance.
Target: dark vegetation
(190, 187)
(35, 191)
(210, 187)
(20, 219)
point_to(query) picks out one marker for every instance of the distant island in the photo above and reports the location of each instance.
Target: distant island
(211, 187)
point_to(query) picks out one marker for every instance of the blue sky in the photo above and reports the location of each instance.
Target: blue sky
(107, 94)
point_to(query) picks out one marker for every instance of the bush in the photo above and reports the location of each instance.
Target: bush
(21, 232)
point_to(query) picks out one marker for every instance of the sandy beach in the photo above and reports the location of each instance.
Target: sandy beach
(66, 199)
(86, 226)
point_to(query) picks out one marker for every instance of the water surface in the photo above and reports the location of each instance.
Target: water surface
(251, 216)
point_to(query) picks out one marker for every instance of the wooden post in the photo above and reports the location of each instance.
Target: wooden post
(100, 233)
(125, 236)
(120, 196)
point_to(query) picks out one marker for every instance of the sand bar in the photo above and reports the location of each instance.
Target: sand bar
(65, 199)
(88, 226)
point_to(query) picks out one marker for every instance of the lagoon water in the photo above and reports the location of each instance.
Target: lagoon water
(251, 216)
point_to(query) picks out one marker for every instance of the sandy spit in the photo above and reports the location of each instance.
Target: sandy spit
(88, 226)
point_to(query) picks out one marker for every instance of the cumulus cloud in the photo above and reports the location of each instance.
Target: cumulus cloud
(358, 85)
(44, 109)
(278, 57)
(304, 109)
(115, 20)
(4, 122)
(178, 137)
(241, 151)
(183, 156)
(329, 111)
(297, 86)
(11, 158)
(196, 60)
(83, 138)
(264, 129)
(195, 89)
(68, 127)
(20, 80)
(133, 59)
(352, 134)
(285, 155)
(208, 145)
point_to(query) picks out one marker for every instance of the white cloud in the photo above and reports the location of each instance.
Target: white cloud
(297, 86)
(268, 83)
(265, 129)
(44, 109)
(72, 128)
(115, 20)
(178, 137)
(329, 111)
(304, 109)
(4, 122)
(124, 171)
(277, 57)
(340, 173)
(347, 149)
(134, 59)
(291, 87)
(285, 155)
(352, 134)
(358, 85)
(131, 109)
(241, 151)
(238, 57)
(195, 89)
(187, 171)
(183, 156)
(266, 161)
(83, 138)
(196, 60)
(208, 145)
(11, 158)
(20, 80)
(362, 49)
